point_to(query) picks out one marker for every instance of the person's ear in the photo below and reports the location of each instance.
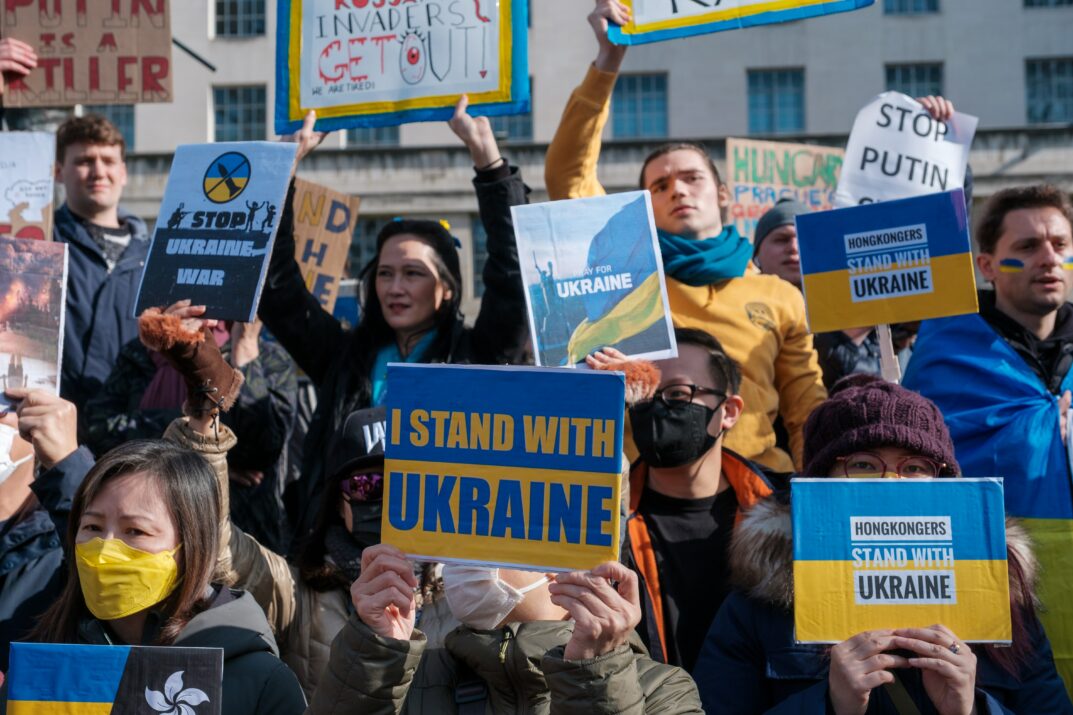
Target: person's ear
(732, 409)
(724, 194)
(988, 266)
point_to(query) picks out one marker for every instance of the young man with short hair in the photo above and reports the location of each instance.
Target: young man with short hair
(107, 250)
(1002, 380)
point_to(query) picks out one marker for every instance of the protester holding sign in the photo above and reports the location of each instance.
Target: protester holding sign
(567, 647)
(412, 292)
(1003, 380)
(710, 286)
(751, 663)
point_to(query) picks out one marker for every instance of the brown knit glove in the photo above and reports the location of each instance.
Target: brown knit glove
(212, 384)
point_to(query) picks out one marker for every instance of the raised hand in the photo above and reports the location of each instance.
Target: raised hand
(383, 595)
(476, 133)
(604, 605)
(307, 138)
(609, 57)
(940, 108)
(948, 667)
(858, 666)
(48, 422)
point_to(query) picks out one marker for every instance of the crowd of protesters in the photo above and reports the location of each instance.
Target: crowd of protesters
(148, 502)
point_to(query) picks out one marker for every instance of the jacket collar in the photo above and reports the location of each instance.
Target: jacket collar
(746, 478)
(69, 226)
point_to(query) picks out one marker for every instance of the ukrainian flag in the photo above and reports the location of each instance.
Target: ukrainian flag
(63, 679)
(931, 551)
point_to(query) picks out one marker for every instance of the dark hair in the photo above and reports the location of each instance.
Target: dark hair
(989, 229)
(679, 146)
(90, 129)
(725, 372)
(188, 488)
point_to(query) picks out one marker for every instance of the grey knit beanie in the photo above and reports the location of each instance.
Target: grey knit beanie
(781, 214)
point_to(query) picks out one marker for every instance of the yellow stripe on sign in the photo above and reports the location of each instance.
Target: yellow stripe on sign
(719, 15)
(37, 707)
(830, 306)
(1052, 541)
(825, 609)
(631, 316)
(553, 550)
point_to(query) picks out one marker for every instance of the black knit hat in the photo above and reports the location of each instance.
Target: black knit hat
(865, 412)
(781, 214)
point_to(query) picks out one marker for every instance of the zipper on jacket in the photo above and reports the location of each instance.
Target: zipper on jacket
(504, 646)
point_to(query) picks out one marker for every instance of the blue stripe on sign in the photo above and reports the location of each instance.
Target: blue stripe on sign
(820, 235)
(65, 673)
(822, 509)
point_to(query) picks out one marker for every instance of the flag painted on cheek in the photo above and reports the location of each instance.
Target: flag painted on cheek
(1067, 263)
(899, 553)
(1013, 265)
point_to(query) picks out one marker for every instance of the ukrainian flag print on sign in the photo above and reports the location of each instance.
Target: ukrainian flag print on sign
(899, 553)
(888, 262)
(508, 466)
(226, 177)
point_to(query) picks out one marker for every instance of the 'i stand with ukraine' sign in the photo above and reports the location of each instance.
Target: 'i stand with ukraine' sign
(506, 466)
(899, 553)
(888, 262)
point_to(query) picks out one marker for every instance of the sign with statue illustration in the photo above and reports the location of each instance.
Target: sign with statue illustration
(26, 181)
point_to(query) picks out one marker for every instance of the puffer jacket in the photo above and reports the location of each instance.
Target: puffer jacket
(750, 663)
(517, 668)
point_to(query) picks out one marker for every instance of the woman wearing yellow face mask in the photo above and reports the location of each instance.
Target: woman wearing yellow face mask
(144, 533)
(750, 664)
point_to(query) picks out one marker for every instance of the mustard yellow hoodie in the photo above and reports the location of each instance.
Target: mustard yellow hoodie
(760, 320)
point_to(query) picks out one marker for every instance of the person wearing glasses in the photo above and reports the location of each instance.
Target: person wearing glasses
(750, 663)
(686, 492)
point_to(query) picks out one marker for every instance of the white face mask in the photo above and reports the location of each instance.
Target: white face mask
(7, 439)
(479, 598)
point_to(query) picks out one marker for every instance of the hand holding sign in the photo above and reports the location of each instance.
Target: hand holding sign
(48, 422)
(476, 133)
(610, 55)
(16, 60)
(604, 614)
(858, 666)
(383, 595)
(949, 667)
(307, 138)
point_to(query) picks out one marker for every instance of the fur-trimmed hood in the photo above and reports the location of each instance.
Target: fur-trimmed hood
(761, 555)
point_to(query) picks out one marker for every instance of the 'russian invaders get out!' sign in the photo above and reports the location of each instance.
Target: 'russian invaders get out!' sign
(889, 262)
(508, 466)
(899, 553)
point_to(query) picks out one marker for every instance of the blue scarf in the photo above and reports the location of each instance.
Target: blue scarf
(699, 262)
(390, 353)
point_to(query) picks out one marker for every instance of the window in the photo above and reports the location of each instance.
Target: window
(363, 243)
(1048, 3)
(910, 7)
(240, 18)
(121, 115)
(372, 136)
(918, 80)
(480, 253)
(239, 113)
(639, 106)
(776, 101)
(1049, 90)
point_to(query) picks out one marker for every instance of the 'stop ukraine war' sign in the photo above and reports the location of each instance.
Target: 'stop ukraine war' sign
(507, 466)
(899, 553)
(657, 20)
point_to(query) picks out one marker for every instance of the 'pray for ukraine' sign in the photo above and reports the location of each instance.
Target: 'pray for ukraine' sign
(899, 553)
(507, 466)
(889, 262)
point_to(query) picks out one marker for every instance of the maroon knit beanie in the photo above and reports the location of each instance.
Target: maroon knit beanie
(864, 412)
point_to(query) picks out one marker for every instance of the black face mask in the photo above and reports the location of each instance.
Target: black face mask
(365, 522)
(671, 437)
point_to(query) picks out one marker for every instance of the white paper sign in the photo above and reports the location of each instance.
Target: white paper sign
(896, 151)
(26, 160)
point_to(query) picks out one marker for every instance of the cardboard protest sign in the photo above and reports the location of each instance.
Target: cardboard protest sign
(899, 553)
(593, 278)
(658, 20)
(218, 221)
(897, 150)
(371, 64)
(26, 176)
(91, 52)
(64, 678)
(324, 222)
(33, 298)
(891, 262)
(761, 173)
(508, 466)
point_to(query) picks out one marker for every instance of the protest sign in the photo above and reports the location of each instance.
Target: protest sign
(899, 553)
(33, 297)
(218, 221)
(91, 52)
(593, 278)
(323, 225)
(761, 173)
(65, 678)
(897, 150)
(890, 262)
(26, 175)
(658, 20)
(347, 311)
(507, 466)
(371, 64)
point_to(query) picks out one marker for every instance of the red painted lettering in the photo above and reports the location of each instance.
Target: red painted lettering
(108, 42)
(154, 70)
(123, 80)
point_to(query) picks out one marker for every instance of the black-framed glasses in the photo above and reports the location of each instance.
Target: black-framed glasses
(674, 395)
(870, 464)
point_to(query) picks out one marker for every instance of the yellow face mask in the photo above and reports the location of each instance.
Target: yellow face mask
(118, 580)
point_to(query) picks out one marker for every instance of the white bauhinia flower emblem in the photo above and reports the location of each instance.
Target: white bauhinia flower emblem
(174, 700)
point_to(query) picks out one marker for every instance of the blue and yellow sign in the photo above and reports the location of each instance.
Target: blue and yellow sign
(509, 466)
(671, 19)
(899, 553)
(226, 177)
(888, 262)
